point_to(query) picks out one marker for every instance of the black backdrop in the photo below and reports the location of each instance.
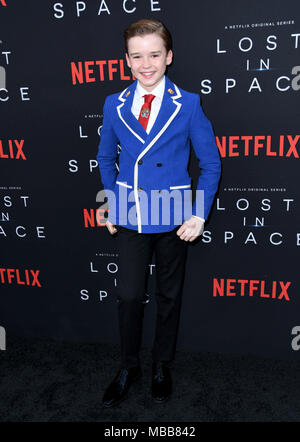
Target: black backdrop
(58, 276)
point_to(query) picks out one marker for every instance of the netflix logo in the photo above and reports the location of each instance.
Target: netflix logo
(27, 277)
(98, 71)
(12, 149)
(94, 217)
(258, 146)
(251, 288)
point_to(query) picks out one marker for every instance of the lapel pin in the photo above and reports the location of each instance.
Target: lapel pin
(128, 93)
(170, 91)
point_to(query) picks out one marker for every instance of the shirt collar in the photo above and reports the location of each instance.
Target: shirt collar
(158, 91)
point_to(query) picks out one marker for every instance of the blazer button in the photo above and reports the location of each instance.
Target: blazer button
(140, 162)
(159, 164)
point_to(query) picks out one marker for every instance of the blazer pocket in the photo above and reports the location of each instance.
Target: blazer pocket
(184, 186)
(123, 184)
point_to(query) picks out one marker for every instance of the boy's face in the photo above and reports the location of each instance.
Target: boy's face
(148, 58)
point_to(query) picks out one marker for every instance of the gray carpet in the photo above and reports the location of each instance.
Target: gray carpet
(45, 380)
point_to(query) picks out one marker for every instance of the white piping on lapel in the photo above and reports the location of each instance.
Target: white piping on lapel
(180, 187)
(123, 184)
(178, 106)
(120, 97)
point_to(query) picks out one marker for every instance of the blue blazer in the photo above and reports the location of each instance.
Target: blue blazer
(150, 189)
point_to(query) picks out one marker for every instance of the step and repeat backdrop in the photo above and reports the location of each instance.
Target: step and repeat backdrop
(58, 263)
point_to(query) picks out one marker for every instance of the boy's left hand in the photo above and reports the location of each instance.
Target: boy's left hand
(191, 229)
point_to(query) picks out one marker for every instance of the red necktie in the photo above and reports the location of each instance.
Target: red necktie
(145, 110)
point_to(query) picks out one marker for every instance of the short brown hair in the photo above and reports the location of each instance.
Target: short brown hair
(148, 26)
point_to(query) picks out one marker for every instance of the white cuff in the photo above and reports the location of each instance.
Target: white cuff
(199, 218)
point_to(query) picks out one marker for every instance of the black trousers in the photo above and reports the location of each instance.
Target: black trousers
(135, 253)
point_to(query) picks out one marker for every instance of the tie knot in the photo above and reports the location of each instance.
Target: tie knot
(149, 98)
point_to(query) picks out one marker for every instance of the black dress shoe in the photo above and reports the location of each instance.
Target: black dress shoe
(118, 388)
(161, 382)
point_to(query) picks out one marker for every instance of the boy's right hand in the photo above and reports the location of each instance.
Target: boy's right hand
(111, 228)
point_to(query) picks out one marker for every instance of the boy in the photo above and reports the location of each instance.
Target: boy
(153, 121)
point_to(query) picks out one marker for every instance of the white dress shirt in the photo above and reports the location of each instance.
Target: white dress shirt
(138, 101)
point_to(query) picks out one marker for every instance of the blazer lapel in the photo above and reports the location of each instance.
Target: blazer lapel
(127, 117)
(168, 111)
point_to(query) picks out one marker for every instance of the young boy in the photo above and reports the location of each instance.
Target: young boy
(153, 121)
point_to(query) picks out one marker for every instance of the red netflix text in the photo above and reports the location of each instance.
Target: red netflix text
(258, 145)
(12, 149)
(21, 277)
(94, 217)
(252, 288)
(99, 70)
